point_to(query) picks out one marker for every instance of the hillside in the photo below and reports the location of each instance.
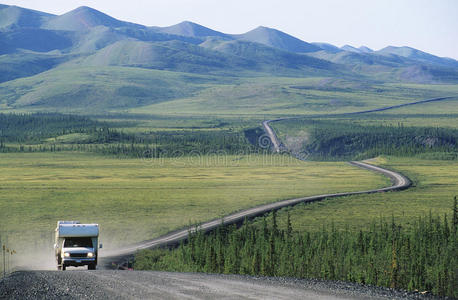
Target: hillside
(97, 88)
(84, 18)
(328, 47)
(14, 16)
(191, 29)
(277, 39)
(169, 55)
(391, 67)
(418, 56)
(270, 57)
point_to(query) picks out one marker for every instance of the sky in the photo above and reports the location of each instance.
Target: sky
(428, 25)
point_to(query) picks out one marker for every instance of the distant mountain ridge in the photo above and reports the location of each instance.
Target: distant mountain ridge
(418, 55)
(191, 29)
(84, 18)
(32, 42)
(20, 17)
(277, 39)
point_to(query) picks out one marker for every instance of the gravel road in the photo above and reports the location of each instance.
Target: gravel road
(166, 285)
(120, 256)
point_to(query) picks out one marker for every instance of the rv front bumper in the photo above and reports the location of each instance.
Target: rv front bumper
(76, 262)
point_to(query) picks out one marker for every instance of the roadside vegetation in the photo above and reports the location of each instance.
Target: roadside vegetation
(327, 139)
(391, 239)
(383, 254)
(402, 240)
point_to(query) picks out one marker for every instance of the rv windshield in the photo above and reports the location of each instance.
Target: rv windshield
(78, 242)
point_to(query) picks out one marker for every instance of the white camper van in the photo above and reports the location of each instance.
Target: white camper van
(76, 244)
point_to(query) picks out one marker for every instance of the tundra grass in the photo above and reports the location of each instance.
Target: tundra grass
(135, 200)
(295, 96)
(446, 120)
(141, 123)
(435, 183)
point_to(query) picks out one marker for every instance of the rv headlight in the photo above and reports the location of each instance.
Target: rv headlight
(66, 254)
(90, 254)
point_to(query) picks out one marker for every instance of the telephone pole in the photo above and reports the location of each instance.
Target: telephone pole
(4, 262)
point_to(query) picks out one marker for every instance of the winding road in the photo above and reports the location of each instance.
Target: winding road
(105, 284)
(399, 182)
(120, 256)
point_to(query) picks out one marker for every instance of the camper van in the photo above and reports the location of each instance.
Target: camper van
(76, 244)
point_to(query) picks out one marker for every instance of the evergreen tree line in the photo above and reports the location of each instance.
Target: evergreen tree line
(422, 258)
(28, 133)
(31, 128)
(36, 127)
(334, 140)
(160, 144)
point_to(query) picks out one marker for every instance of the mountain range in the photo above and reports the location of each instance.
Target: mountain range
(36, 46)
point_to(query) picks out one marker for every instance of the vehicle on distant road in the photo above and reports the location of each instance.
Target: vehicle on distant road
(76, 244)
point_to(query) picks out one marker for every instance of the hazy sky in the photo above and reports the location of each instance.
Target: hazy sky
(428, 25)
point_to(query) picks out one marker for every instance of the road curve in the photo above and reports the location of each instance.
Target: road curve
(120, 256)
(277, 145)
(398, 181)
(273, 137)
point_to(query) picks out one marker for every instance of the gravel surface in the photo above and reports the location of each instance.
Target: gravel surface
(166, 285)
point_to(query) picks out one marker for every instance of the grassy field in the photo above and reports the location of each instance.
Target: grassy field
(136, 199)
(145, 123)
(435, 185)
(449, 119)
(295, 96)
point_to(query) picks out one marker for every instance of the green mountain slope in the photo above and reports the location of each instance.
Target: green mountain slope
(277, 39)
(97, 89)
(170, 55)
(390, 67)
(34, 39)
(191, 29)
(96, 38)
(328, 47)
(417, 55)
(26, 64)
(270, 59)
(84, 18)
(14, 16)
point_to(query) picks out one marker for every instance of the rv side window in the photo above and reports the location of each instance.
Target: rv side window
(78, 242)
